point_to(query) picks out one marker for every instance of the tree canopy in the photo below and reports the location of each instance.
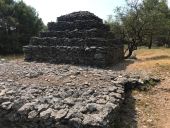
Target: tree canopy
(142, 22)
(18, 22)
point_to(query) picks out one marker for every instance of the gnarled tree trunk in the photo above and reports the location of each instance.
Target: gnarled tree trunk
(131, 47)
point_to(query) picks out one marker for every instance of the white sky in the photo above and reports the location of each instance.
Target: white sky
(49, 10)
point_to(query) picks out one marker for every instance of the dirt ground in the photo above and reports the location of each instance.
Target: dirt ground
(148, 109)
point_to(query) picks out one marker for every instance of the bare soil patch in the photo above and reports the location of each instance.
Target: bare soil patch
(149, 109)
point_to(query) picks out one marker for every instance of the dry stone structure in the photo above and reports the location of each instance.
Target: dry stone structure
(78, 38)
(42, 95)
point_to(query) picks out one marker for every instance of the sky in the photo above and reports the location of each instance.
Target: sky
(49, 10)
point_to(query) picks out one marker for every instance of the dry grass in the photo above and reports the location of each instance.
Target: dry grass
(151, 109)
(12, 57)
(151, 60)
(149, 53)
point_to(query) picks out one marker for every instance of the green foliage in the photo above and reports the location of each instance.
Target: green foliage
(142, 23)
(18, 22)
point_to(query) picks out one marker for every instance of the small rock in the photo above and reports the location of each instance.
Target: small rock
(109, 107)
(5, 104)
(112, 89)
(116, 95)
(59, 114)
(88, 92)
(101, 101)
(42, 107)
(26, 107)
(93, 120)
(93, 99)
(70, 101)
(9, 80)
(2, 83)
(91, 107)
(141, 81)
(32, 114)
(72, 77)
(77, 73)
(46, 114)
(121, 80)
(3, 92)
(11, 92)
(75, 122)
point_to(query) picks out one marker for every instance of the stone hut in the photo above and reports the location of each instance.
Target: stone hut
(78, 38)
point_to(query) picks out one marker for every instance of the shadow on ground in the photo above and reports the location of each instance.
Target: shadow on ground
(122, 65)
(157, 58)
(127, 114)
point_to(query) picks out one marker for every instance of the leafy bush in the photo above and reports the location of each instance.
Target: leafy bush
(18, 22)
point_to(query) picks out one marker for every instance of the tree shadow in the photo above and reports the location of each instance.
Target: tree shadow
(127, 113)
(157, 58)
(122, 65)
(167, 90)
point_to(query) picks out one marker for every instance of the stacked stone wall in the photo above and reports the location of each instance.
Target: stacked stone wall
(78, 38)
(83, 15)
(91, 33)
(81, 25)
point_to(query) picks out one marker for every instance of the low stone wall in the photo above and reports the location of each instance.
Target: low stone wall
(91, 33)
(82, 15)
(80, 25)
(60, 107)
(79, 42)
(76, 55)
(79, 97)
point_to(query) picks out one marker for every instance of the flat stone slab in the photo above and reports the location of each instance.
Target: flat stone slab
(39, 95)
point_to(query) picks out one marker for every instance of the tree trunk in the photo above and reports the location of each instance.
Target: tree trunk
(131, 47)
(150, 43)
(130, 51)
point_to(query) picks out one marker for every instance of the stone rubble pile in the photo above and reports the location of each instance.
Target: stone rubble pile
(78, 38)
(81, 97)
(59, 107)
